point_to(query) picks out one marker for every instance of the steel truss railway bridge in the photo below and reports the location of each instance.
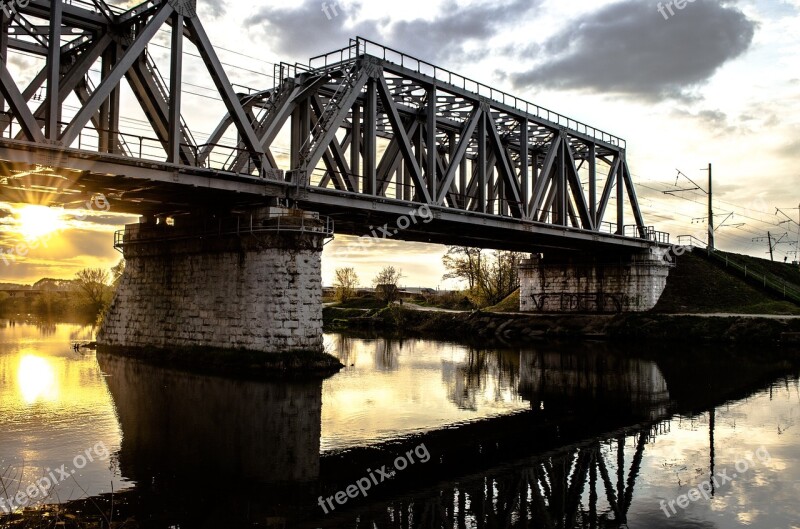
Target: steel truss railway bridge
(371, 132)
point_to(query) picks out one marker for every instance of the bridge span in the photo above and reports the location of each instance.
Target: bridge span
(354, 139)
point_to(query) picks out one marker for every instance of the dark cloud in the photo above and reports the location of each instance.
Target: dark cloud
(629, 48)
(444, 37)
(304, 30)
(313, 27)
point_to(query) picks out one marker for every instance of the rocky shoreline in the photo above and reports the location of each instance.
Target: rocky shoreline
(514, 329)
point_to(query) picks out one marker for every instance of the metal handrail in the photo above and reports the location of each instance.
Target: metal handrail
(769, 282)
(364, 47)
(305, 226)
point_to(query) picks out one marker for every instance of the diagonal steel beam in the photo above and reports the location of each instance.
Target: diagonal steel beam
(609, 186)
(19, 106)
(405, 144)
(574, 183)
(74, 76)
(336, 149)
(345, 104)
(511, 188)
(391, 158)
(637, 212)
(225, 90)
(108, 84)
(458, 156)
(546, 175)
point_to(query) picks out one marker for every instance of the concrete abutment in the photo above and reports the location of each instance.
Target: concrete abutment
(606, 283)
(244, 281)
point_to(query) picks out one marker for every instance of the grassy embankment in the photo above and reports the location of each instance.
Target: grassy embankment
(697, 286)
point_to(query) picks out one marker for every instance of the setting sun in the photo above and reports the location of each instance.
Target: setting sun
(38, 221)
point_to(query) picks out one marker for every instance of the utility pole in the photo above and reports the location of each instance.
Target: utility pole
(790, 220)
(710, 201)
(710, 212)
(769, 240)
(771, 244)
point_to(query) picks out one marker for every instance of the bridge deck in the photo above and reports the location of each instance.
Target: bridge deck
(372, 135)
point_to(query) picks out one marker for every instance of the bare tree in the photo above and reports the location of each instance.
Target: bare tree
(463, 262)
(385, 284)
(345, 284)
(92, 285)
(490, 277)
(116, 273)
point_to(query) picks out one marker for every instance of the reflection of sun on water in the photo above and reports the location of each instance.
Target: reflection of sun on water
(36, 379)
(38, 221)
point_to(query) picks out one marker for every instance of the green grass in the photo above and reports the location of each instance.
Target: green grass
(509, 304)
(697, 285)
(365, 302)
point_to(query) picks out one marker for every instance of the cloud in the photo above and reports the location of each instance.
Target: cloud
(306, 29)
(444, 37)
(629, 48)
(213, 8)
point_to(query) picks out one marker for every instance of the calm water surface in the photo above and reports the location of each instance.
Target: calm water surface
(573, 436)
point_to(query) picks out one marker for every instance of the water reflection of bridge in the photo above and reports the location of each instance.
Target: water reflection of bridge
(571, 460)
(588, 485)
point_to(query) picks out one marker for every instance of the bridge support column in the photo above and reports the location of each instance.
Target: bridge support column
(248, 281)
(593, 283)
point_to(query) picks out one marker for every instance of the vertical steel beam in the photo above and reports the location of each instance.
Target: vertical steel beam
(593, 184)
(430, 143)
(4, 23)
(418, 144)
(176, 73)
(355, 145)
(482, 154)
(524, 168)
(53, 113)
(451, 152)
(296, 140)
(109, 59)
(370, 136)
(561, 183)
(621, 196)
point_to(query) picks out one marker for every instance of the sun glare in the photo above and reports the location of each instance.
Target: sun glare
(36, 379)
(38, 221)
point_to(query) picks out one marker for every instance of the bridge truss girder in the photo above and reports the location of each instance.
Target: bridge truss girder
(366, 128)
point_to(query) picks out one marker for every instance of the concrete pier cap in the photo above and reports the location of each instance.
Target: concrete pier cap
(243, 280)
(599, 282)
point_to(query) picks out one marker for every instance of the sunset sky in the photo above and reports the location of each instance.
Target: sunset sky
(717, 82)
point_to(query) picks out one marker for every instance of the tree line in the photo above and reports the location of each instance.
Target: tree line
(489, 276)
(88, 294)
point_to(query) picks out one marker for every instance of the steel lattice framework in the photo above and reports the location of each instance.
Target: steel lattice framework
(371, 133)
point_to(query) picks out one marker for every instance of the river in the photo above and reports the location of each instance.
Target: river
(411, 433)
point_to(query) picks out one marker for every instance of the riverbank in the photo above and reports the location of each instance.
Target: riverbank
(486, 328)
(236, 363)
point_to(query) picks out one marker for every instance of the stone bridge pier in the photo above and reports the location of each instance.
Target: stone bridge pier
(579, 282)
(241, 281)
